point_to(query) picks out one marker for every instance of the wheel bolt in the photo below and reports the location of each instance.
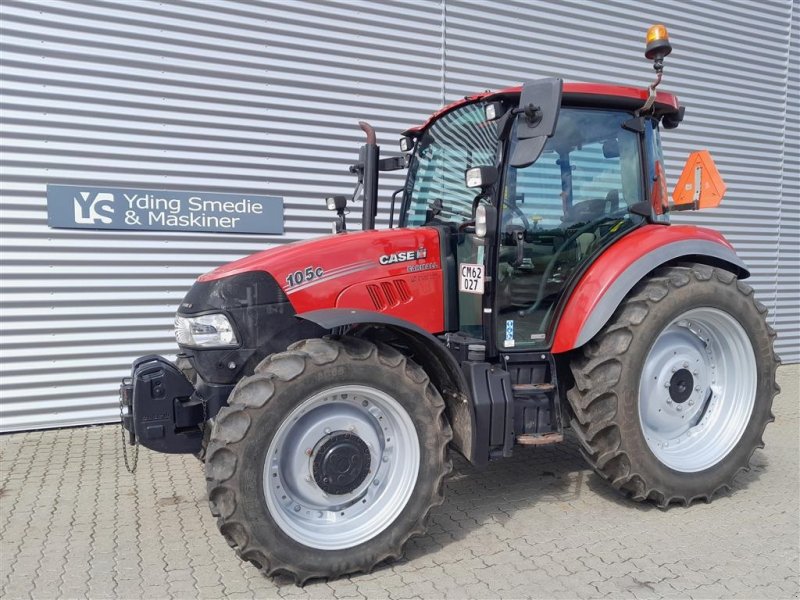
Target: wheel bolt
(691, 402)
(674, 369)
(309, 451)
(297, 508)
(666, 384)
(679, 407)
(351, 428)
(327, 430)
(385, 459)
(697, 388)
(685, 365)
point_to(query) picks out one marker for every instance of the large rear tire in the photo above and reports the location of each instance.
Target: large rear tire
(671, 398)
(328, 459)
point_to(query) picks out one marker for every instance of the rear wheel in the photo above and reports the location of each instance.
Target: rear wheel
(672, 397)
(328, 459)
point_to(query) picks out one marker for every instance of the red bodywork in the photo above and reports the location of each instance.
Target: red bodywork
(353, 276)
(606, 268)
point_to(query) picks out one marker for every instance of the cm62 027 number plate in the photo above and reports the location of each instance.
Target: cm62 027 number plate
(470, 279)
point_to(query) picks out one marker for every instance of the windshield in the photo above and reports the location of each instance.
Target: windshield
(457, 141)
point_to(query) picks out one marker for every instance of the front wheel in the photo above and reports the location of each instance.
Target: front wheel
(328, 459)
(672, 397)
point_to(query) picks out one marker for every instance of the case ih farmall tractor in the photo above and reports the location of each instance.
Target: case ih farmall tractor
(534, 284)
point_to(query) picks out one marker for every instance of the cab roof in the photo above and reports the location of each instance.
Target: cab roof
(587, 94)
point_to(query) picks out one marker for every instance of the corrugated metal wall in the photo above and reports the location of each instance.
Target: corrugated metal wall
(263, 97)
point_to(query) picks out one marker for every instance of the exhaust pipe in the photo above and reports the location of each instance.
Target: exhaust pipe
(369, 156)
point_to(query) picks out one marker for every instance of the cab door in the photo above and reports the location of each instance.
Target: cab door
(559, 213)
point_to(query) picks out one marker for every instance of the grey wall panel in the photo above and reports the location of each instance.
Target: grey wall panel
(225, 96)
(787, 284)
(263, 97)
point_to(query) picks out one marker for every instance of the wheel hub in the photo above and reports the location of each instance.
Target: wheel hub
(341, 463)
(681, 385)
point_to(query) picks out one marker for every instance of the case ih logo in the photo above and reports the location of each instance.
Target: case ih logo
(397, 257)
(94, 208)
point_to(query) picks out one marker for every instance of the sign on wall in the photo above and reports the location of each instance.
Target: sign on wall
(83, 207)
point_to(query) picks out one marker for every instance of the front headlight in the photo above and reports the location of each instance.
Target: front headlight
(205, 331)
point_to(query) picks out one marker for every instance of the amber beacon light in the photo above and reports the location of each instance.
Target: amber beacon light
(658, 45)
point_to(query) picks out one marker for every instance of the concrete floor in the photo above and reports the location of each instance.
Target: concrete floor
(75, 524)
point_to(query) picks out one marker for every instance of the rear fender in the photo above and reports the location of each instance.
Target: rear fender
(625, 263)
(430, 353)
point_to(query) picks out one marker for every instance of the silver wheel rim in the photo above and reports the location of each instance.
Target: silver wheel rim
(697, 390)
(292, 472)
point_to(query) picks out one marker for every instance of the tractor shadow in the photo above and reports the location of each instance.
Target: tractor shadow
(545, 478)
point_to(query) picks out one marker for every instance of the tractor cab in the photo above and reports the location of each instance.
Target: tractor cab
(524, 214)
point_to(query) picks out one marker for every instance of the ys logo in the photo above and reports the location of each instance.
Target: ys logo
(93, 207)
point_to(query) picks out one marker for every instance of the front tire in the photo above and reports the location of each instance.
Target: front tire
(671, 398)
(328, 459)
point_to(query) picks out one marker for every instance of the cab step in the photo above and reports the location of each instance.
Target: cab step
(535, 439)
(523, 389)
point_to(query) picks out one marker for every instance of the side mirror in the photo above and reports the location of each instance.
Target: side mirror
(482, 176)
(539, 104)
(485, 220)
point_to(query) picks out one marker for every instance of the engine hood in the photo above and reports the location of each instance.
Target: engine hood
(352, 270)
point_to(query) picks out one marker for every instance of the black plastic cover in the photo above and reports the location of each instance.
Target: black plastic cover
(236, 291)
(164, 418)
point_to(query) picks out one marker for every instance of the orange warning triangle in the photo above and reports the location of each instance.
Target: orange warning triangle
(700, 183)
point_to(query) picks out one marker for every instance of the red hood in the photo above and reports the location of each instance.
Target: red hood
(353, 270)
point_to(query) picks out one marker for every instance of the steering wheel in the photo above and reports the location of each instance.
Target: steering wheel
(551, 263)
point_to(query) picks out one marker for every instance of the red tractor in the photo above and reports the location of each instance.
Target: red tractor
(533, 284)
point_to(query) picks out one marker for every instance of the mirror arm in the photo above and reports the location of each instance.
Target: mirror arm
(391, 206)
